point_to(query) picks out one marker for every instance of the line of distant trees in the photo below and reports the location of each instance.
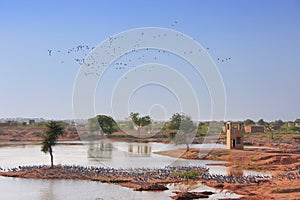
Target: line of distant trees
(275, 125)
(109, 125)
(182, 129)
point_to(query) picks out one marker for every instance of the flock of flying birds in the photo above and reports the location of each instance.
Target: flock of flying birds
(80, 51)
(85, 49)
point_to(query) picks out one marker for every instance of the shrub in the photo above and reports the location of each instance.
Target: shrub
(186, 174)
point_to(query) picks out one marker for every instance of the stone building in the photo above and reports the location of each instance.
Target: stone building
(235, 135)
(254, 129)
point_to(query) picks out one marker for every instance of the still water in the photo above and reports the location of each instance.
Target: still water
(99, 153)
(116, 154)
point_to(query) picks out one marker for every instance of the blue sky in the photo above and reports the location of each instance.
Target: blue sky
(261, 37)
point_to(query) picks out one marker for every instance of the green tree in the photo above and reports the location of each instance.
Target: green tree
(186, 131)
(52, 132)
(103, 123)
(261, 122)
(249, 122)
(202, 129)
(277, 124)
(140, 122)
(107, 124)
(93, 124)
(175, 121)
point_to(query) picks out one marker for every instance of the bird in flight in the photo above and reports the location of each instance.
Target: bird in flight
(175, 23)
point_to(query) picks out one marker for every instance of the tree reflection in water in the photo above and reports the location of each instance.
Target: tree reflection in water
(48, 192)
(100, 150)
(140, 149)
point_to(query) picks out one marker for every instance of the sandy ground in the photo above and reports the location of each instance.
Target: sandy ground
(14, 133)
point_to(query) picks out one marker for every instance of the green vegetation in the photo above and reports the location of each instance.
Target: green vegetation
(249, 122)
(187, 174)
(181, 129)
(172, 135)
(89, 136)
(51, 134)
(277, 137)
(276, 125)
(140, 122)
(261, 122)
(174, 123)
(103, 123)
(107, 124)
(202, 129)
(293, 129)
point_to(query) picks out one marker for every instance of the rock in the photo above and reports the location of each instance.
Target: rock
(190, 195)
(219, 185)
(207, 193)
(151, 187)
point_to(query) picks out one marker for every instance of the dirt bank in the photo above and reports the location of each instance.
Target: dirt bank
(271, 161)
(138, 179)
(16, 133)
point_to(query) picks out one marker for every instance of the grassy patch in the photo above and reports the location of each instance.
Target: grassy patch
(277, 137)
(186, 174)
(120, 136)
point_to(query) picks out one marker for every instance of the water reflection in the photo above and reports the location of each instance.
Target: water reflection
(141, 149)
(104, 150)
(48, 191)
(100, 150)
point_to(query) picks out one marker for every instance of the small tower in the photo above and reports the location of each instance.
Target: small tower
(235, 135)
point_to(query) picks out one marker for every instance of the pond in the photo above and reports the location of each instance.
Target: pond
(96, 153)
(99, 153)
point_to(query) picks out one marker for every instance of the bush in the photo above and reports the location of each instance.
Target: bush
(295, 129)
(171, 136)
(186, 174)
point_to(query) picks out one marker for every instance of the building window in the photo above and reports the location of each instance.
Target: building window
(238, 140)
(228, 126)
